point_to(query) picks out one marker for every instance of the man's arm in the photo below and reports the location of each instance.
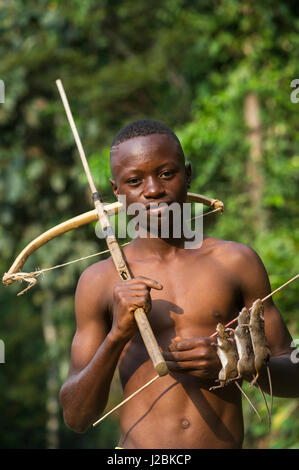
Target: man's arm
(98, 341)
(254, 284)
(94, 354)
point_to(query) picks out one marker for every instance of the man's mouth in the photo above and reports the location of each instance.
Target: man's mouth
(157, 208)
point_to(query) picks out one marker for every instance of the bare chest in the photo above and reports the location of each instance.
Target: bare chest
(195, 297)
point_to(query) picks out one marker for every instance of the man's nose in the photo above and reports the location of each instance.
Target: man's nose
(153, 188)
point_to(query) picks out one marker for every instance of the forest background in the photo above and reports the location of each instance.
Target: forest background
(219, 73)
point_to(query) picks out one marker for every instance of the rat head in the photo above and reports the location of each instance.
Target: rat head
(220, 328)
(148, 164)
(243, 317)
(257, 311)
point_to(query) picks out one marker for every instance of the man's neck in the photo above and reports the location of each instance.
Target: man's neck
(160, 248)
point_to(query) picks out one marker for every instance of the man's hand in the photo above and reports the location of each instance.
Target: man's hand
(195, 356)
(127, 297)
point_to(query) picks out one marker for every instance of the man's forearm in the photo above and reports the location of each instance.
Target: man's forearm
(84, 395)
(284, 377)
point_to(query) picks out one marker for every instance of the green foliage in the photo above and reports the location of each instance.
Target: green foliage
(188, 64)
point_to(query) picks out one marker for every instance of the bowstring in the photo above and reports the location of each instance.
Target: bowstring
(29, 277)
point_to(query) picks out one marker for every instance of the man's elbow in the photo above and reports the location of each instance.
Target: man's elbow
(76, 417)
(72, 419)
(75, 424)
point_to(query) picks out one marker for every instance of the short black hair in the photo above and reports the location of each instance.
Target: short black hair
(144, 127)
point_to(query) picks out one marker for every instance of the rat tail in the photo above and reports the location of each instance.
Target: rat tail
(248, 399)
(270, 389)
(267, 407)
(254, 381)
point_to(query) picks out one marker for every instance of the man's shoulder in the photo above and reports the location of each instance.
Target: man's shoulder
(97, 274)
(103, 272)
(93, 291)
(231, 251)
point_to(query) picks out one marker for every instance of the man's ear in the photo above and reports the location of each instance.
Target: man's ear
(188, 174)
(114, 187)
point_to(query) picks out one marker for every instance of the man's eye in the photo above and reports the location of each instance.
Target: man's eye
(133, 181)
(167, 174)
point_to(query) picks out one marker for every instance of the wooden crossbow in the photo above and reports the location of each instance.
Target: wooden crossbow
(15, 272)
(100, 213)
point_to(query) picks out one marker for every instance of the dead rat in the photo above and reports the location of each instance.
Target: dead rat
(246, 362)
(228, 355)
(227, 352)
(259, 343)
(245, 365)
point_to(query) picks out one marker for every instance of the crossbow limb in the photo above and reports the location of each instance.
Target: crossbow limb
(15, 274)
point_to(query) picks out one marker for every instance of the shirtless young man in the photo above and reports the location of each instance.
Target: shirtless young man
(185, 292)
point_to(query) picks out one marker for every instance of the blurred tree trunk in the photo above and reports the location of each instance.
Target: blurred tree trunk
(52, 405)
(254, 161)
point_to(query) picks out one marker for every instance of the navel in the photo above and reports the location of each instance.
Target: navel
(185, 423)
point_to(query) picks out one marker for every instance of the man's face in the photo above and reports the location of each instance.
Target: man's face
(150, 169)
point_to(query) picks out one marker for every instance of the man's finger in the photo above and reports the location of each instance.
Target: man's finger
(149, 282)
(186, 344)
(177, 339)
(179, 356)
(181, 366)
